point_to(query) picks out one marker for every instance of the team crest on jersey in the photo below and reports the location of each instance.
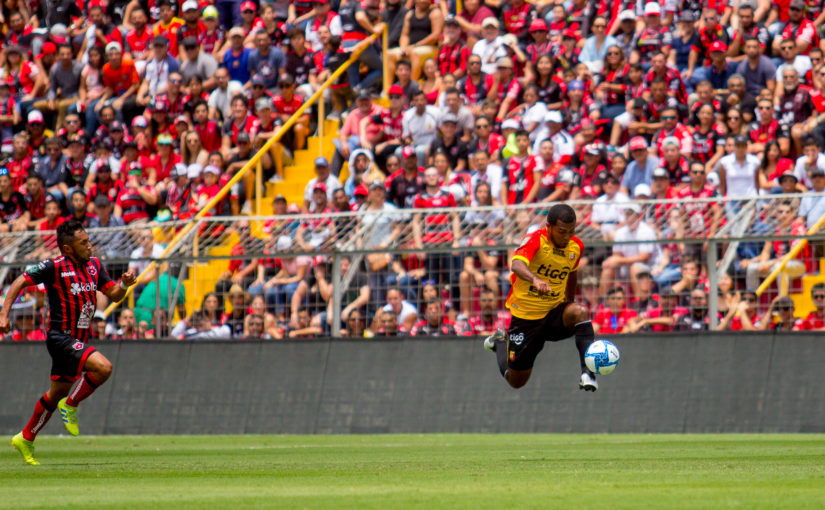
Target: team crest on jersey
(78, 346)
(92, 269)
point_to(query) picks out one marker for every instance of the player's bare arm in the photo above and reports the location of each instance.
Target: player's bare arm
(118, 292)
(14, 291)
(520, 268)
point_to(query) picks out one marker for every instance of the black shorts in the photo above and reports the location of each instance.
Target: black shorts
(525, 338)
(68, 356)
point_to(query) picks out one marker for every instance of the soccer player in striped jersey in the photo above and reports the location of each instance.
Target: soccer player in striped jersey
(72, 281)
(544, 283)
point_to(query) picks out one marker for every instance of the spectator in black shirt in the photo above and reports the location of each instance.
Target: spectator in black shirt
(14, 215)
(455, 149)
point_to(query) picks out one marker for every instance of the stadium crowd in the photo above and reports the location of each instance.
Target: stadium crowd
(119, 112)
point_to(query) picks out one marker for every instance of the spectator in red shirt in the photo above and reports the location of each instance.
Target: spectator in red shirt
(614, 317)
(489, 318)
(816, 319)
(133, 202)
(286, 104)
(121, 82)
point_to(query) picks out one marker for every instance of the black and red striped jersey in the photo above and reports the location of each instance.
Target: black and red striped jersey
(72, 290)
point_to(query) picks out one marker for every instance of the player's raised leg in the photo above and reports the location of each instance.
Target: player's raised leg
(98, 369)
(577, 317)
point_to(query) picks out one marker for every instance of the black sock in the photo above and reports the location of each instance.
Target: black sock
(584, 337)
(501, 356)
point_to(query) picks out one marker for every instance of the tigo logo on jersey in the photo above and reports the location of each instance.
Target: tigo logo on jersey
(78, 288)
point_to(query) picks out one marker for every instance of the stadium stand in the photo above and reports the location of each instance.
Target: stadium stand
(368, 167)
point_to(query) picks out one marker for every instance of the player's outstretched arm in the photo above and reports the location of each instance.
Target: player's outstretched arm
(11, 296)
(118, 292)
(521, 269)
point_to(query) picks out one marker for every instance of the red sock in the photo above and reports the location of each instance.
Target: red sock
(42, 412)
(86, 387)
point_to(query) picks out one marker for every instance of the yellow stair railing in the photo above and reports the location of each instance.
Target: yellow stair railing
(255, 161)
(792, 253)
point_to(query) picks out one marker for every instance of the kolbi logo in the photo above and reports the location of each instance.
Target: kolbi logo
(77, 288)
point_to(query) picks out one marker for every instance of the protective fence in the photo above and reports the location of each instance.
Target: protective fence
(336, 273)
(744, 383)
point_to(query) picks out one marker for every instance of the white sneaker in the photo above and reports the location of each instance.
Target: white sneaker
(588, 382)
(490, 341)
(276, 179)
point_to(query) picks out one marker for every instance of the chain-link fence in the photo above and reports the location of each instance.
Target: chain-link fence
(387, 271)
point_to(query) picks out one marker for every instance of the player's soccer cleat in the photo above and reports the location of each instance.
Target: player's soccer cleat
(69, 415)
(490, 341)
(26, 449)
(588, 382)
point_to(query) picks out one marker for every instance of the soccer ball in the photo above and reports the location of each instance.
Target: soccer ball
(601, 357)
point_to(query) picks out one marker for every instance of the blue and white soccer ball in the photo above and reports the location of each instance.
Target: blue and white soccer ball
(601, 357)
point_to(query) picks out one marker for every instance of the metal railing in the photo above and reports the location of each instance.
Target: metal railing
(741, 223)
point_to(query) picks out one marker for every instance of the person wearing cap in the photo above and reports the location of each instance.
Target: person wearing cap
(236, 57)
(132, 203)
(800, 30)
(655, 36)
(640, 170)
(448, 143)
(505, 79)
(718, 70)
(157, 70)
(491, 48)
(811, 208)
(595, 47)
(192, 27)
(624, 31)
(121, 82)
(780, 316)
(630, 257)
(553, 129)
(452, 53)
(322, 176)
(286, 103)
(406, 182)
(198, 63)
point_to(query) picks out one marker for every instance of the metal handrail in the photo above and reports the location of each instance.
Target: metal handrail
(253, 162)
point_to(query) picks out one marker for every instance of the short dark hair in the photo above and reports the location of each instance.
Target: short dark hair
(561, 213)
(817, 287)
(615, 290)
(522, 132)
(66, 232)
(403, 62)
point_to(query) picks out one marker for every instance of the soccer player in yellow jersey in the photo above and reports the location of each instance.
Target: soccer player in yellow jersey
(541, 300)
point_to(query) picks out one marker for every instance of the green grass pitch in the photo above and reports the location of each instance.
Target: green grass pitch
(420, 471)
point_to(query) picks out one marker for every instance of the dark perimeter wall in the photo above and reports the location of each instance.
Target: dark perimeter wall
(698, 383)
